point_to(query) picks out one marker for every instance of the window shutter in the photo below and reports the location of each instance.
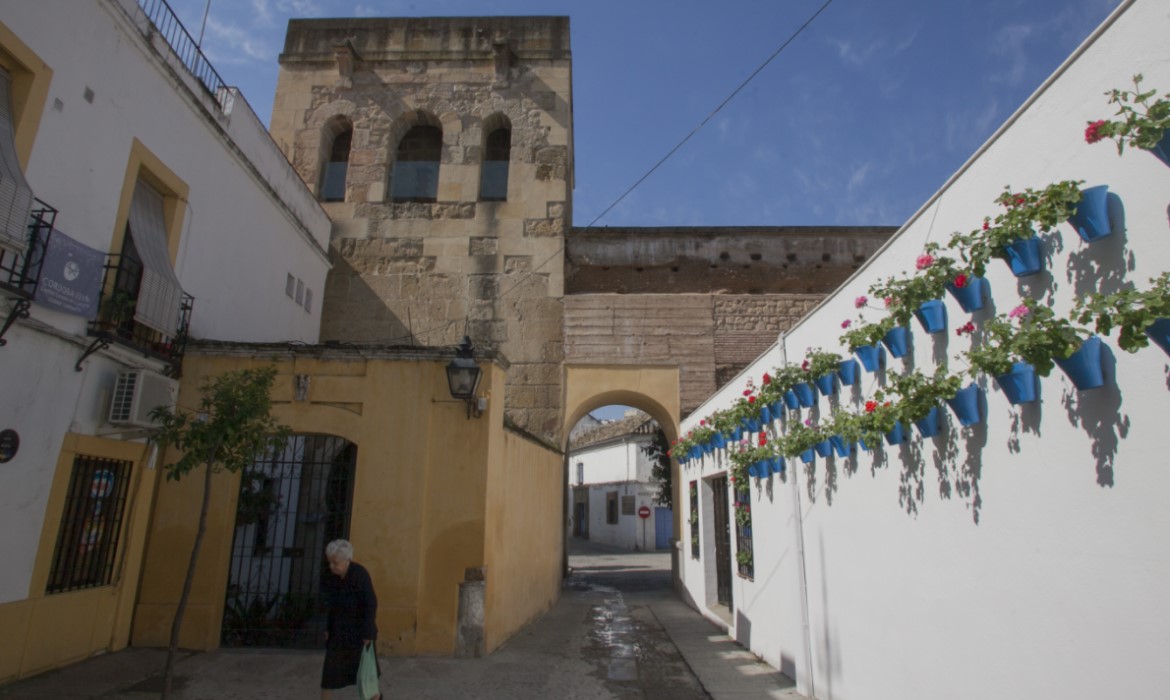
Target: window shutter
(16, 197)
(160, 295)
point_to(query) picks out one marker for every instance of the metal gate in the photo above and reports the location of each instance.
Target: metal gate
(290, 507)
(722, 541)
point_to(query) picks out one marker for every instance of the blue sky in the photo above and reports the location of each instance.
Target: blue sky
(863, 117)
(857, 122)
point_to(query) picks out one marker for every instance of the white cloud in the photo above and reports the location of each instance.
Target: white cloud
(237, 40)
(299, 8)
(263, 13)
(1011, 42)
(361, 10)
(857, 177)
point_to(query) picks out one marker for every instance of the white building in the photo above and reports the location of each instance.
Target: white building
(611, 483)
(167, 212)
(1028, 555)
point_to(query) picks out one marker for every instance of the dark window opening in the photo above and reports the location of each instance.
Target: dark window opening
(333, 182)
(611, 508)
(415, 177)
(91, 524)
(493, 182)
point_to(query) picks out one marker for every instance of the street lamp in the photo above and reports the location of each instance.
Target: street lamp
(463, 373)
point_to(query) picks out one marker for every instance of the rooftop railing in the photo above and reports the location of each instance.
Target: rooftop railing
(185, 48)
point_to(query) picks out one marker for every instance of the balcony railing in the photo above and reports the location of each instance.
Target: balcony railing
(20, 272)
(185, 48)
(115, 322)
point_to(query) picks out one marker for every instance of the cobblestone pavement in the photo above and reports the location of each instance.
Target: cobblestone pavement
(618, 631)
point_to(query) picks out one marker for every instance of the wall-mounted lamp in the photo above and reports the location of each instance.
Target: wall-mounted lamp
(463, 376)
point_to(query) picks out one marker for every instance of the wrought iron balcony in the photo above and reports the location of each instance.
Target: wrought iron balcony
(116, 323)
(21, 272)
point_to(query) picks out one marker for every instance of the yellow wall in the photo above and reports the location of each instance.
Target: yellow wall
(525, 535)
(420, 498)
(46, 631)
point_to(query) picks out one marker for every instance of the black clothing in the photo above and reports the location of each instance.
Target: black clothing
(352, 607)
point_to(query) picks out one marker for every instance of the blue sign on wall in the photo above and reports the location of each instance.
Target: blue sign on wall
(71, 277)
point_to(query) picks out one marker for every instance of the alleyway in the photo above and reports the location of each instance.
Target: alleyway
(618, 631)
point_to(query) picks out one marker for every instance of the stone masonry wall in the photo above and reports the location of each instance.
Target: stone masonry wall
(429, 273)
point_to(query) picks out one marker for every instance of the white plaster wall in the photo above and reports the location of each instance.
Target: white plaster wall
(238, 242)
(1028, 556)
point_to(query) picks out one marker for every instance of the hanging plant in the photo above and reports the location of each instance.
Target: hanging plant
(917, 393)
(1025, 214)
(1144, 119)
(866, 334)
(1028, 333)
(1133, 312)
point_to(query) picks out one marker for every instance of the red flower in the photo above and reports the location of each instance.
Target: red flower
(763, 439)
(968, 327)
(767, 379)
(747, 392)
(1093, 132)
(751, 399)
(870, 406)
(702, 421)
(1020, 199)
(986, 224)
(960, 281)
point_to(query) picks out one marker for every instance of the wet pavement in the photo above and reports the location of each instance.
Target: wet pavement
(618, 631)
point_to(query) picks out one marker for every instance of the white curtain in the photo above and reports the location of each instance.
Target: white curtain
(160, 295)
(16, 197)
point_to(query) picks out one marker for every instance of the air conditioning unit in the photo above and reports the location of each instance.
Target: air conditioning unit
(137, 393)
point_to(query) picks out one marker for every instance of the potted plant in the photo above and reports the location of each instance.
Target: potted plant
(920, 294)
(864, 338)
(879, 420)
(1010, 236)
(1028, 341)
(1144, 121)
(822, 366)
(845, 431)
(1138, 315)
(919, 396)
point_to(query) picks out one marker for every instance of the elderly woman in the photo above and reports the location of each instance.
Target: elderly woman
(349, 594)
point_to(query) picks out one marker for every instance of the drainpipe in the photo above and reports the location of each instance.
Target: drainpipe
(802, 576)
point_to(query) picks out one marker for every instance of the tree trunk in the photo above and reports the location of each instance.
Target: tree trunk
(168, 675)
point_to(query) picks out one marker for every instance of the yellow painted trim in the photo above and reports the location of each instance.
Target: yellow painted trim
(144, 163)
(30, 90)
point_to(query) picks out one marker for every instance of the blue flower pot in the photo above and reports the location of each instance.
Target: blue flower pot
(847, 371)
(1091, 219)
(1019, 385)
(706, 447)
(695, 453)
(825, 384)
(790, 400)
(719, 441)
(841, 447)
(870, 357)
(897, 341)
(1159, 331)
(965, 404)
(737, 433)
(862, 445)
(1162, 149)
(929, 426)
(805, 395)
(932, 315)
(1083, 367)
(777, 465)
(971, 295)
(897, 435)
(753, 425)
(824, 448)
(807, 456)
(1024, 257)
(765, 414)
(754, 470)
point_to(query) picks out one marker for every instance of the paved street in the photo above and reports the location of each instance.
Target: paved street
(618, 631)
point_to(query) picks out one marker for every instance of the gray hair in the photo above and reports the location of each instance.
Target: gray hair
(340, 548)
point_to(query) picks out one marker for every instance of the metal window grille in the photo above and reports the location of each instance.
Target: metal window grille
(91, 525)
(694, 519)
(745, 557)
(290, 507)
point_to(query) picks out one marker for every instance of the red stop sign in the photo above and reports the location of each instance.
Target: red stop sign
(644, 512)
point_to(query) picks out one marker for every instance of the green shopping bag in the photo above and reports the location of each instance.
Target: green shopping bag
(367, 678)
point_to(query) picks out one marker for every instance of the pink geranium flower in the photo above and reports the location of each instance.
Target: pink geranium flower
(1019, 312)
(1093, 132)
(924, 261)
(860, 301)
(846, 323)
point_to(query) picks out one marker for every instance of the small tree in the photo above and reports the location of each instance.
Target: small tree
(231, 429)
(658, 450)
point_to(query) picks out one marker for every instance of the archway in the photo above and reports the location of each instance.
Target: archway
(651, 389)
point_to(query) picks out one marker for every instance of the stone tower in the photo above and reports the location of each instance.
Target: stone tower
(442, 149)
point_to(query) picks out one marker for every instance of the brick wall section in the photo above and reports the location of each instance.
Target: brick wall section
(709, 337)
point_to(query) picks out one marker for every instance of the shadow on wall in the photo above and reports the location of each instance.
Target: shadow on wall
(1100, 417)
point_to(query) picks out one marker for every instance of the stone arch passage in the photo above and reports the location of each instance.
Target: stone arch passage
(653, 389)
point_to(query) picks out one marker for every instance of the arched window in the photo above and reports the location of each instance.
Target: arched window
(333, 179)
(493, 180)
(415, 177)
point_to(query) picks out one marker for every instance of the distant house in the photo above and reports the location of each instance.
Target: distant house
(610, 482)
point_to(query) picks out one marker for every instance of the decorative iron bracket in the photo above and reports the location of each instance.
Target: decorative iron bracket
(19, 310)
(99, 343)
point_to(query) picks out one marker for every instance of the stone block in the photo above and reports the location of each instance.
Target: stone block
(482, 246)
(544, 227)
